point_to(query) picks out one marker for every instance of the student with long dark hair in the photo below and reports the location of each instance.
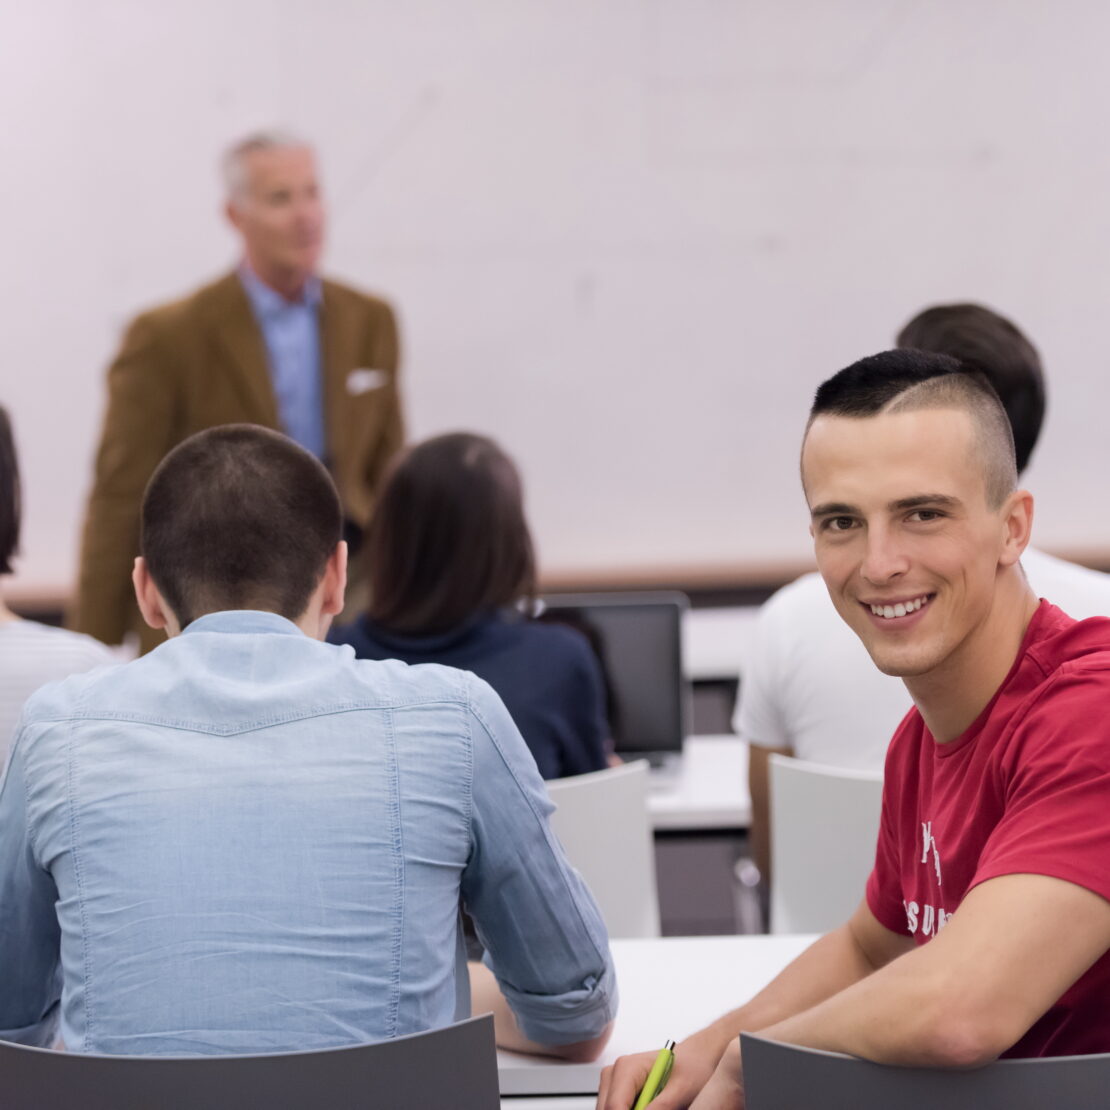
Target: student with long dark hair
(451, 565)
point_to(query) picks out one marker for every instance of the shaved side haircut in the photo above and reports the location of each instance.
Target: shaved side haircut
(239, 517)
(912, 380)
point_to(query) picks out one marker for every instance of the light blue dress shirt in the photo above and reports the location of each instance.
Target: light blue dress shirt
(291, 330)
(250, 841)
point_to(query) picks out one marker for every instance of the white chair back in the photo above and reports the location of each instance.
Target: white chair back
(824, 825)
(602, 820)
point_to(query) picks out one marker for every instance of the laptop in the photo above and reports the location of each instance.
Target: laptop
(637, 637)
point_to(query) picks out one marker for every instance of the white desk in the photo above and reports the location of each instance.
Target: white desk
(669, 988)
(709, 789)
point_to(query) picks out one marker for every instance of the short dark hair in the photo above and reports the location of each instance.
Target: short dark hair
(448, 539)
(11, 495)
(985, 341)
(909, 380)
(239, 517)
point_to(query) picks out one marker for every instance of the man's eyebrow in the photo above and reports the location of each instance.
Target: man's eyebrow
(833, 508)
(921, 500)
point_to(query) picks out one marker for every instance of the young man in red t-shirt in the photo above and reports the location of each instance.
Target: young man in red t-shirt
(986, 922)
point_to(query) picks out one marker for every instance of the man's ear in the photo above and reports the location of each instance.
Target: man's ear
(1017, 522)
(152, 605)
(335, 581)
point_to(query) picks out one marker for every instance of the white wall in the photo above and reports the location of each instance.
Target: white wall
(626, 237)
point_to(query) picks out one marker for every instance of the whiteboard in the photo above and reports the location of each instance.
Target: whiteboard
(627, 238)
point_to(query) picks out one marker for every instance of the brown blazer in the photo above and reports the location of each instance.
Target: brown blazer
(199, 362)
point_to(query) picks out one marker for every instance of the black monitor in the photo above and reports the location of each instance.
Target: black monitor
(638, 639)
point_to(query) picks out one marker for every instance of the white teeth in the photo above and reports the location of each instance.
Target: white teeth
(900, 609)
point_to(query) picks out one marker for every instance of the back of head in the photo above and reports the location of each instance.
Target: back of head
(985, 341)
(910, 380)
(239, 517)
(448, 539)
(10, 495)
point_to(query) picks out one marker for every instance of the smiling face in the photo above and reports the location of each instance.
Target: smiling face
(280, 215)
(910, 549)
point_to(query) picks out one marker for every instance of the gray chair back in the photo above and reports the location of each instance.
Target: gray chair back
(453, 1068)
(785, 1077)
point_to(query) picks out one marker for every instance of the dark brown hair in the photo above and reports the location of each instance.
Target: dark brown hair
(239, 517)
(985, 341)
(448, 539)
(906, 380)
(11, 497)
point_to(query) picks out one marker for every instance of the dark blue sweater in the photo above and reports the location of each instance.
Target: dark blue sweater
(546, 674)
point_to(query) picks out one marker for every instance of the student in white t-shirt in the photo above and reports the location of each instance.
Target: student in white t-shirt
(811, 690)
(30, 653)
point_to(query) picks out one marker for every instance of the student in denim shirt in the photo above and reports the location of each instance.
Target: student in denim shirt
(250, 841)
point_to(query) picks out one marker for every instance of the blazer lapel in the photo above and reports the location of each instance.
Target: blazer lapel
(238, 334)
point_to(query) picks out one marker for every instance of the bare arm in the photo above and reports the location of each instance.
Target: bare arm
(759, 783)
(486, 998)
(835, 962)
(1009, 952)
(1013, 947)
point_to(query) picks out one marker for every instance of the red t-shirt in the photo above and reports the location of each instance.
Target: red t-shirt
(1026, 789)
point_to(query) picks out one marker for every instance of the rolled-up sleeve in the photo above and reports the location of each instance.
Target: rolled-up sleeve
(544, 937)
(29, 935)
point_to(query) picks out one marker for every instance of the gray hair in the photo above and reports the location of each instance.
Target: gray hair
(234, 162)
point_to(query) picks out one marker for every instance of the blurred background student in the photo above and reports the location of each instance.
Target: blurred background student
(30, 653)
(452, 579)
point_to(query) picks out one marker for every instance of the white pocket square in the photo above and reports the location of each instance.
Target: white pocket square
(362, 381)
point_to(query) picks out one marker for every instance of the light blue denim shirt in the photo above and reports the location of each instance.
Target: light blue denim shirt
(250, 841)
(291, 330)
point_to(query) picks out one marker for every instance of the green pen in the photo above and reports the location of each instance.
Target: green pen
(657, 1077)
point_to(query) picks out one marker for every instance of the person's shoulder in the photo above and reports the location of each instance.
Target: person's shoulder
(358, 635)
(800, 617)
(548, 634)
(50, 653)
(799, 595)
(208, 302)
(348, 298)
(46, 642)
(67, 692)
(1060, 643)
(1077, 590)
(402, 684)
(549, 643)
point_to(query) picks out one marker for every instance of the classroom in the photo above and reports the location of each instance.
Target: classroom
(707, 392)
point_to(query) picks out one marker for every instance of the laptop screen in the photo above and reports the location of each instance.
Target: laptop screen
(637, 637)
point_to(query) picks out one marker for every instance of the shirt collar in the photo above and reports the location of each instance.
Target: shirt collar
(269, 302)
(243, 620)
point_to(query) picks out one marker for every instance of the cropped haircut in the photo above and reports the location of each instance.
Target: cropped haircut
(985, 341)
(239, 517)
(912, 380)
(234, 162)
(11, 495)
(448, 539)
